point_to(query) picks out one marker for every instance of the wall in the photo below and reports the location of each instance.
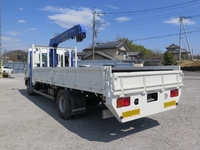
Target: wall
(17, 66)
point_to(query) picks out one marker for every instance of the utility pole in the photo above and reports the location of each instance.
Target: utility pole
(188, 43)
(180, 20)
(1, 70)
(5, 55)
(93, 33)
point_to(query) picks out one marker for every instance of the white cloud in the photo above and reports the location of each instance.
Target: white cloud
(12, 44)
(176, 21)
(8, 39)
(54, 9)
(21, 8)
(32, 29)
(112, 7)
(122, 19)
(67, 17)
(21, 21)
(14, 33)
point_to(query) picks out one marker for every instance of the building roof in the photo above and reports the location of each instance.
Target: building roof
(174, 49)
(81, 53)
(133, 53)
(173, 46)
(108, 45)
(102, 54)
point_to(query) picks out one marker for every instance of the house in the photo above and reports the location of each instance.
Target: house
(111, 51)
(81, 55)
(174, 50)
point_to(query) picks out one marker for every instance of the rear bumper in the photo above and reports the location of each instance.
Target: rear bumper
(144, 107)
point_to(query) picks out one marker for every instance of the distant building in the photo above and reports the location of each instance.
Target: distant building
(111, 51)
(174, 50)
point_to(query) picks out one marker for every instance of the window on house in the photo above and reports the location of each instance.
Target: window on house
(120, 52)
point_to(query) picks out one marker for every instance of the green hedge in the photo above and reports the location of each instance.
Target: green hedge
(191, 68)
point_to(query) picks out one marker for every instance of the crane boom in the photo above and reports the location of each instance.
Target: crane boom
(77, 31)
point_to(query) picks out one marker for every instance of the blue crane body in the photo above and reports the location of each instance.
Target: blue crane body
(77, 32)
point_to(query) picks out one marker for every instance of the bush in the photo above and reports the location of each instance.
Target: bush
(168, 59)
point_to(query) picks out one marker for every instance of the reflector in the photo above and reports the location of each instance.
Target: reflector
(123, 101)
(174, 93)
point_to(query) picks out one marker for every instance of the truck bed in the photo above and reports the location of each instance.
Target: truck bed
(149, 68)
(118, 81)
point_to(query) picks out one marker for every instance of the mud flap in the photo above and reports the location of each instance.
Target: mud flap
(77, 100)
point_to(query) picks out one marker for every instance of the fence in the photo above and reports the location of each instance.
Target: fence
(114, 63)
(17, 66)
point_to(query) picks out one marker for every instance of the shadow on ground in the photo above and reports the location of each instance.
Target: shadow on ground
(90, 125)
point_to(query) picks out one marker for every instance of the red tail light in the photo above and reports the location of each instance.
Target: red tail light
(123, 102)
(174, 93)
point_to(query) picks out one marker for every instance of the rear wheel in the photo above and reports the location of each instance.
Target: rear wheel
(63, 105)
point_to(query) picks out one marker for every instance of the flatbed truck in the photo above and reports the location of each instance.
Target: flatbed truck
(127, 93)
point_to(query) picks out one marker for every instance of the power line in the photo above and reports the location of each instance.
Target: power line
(89, 25)
(145, 18)
(162, 36)
(190, 8)
(153, 9)
(144, 21)
(190, 11)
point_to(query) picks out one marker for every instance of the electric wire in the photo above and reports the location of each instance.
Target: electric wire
(162, 36)
(154, 16)
(185, 4)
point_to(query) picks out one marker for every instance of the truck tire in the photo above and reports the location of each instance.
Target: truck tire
(28, 88)
(63, 105)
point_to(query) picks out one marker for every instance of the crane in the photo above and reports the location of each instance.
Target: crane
(77, 32)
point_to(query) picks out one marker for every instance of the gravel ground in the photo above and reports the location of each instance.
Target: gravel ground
(32, 123)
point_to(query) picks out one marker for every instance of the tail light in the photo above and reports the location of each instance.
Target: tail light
(123, 102)
(174, 93)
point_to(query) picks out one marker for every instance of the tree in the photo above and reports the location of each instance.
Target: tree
(168, 59)
(13, 55)
(145, 53)
(158, 54)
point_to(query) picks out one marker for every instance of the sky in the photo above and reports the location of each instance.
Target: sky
(155, 24)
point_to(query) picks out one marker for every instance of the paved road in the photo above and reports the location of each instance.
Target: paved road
(32, 123)
(191, 74)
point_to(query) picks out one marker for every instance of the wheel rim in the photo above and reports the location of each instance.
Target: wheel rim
(62, 104)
